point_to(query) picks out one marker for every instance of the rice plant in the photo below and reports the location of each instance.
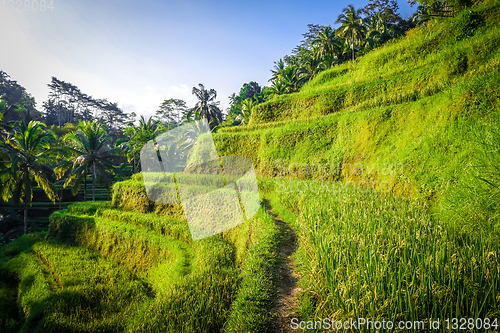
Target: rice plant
(367, 255)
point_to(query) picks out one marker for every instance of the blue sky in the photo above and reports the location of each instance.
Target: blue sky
(138, 53)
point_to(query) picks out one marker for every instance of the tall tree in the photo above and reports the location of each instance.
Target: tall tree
(352, 27)
(311, 67)
(378, 32)
(326, 42)
(246, 111)
(434, 5)
(278, 87)
(292, 78)
(20, 105)
(3, 106)
(386, 9)
(68, 104)
(206, 106)
(279, 67)
(138, 136)
(3, 126)
(309, 37)
(251, 91)
(90, 144)
(24, 156)
(171, 112)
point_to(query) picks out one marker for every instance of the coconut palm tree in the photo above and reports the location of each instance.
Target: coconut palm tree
(278, 87)
(93, 154)
(311, 66)
(352, 28)
(139, 136)
(292, 78)
(23, 158)
(247, 106)
(326, 42)
(378, 32)
(206, 106)
(279, 67)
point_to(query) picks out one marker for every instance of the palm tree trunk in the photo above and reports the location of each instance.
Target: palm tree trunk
(352, 44)
(27, 197)
(93, 182)
(61, 196)
(26, 217)
(85, 186)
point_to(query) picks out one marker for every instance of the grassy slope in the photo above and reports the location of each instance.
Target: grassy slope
(410, 118)
(179, 284)
(400, 119)
(367, 255)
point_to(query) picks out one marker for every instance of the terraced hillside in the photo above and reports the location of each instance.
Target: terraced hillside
(360, 254)
(379, 200)
(41, 209)
(407, 118)
(387, 170)
(104, 269)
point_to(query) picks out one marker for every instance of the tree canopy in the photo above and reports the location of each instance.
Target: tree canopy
(207, 107)
(68, 104)
(24, 158)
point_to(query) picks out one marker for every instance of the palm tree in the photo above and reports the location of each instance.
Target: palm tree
(89, 143)
(24, 156)
(63, 157)
(277, 88)
(378, 32)
(310, 68)
(279, 67)
(352, 25)
(326, 42)
(139, 136)
(330, 61)
(206, 106)
(292, 78)
(247, 106)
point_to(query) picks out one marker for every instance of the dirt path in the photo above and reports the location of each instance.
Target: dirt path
(287, 289)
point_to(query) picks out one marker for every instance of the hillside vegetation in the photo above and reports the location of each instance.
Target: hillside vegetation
(385, 169)
(407, 118)
(104, 269)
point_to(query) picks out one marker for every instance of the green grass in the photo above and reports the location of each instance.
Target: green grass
(65, 288)
(182, 285)
(399, 119)
(405, 119)
(88, 207)
(9, 312)
(130, 195)
(198, 302)
(164, 225)
(252, 309)
(157, 258)
(95, 294)
(363, 254)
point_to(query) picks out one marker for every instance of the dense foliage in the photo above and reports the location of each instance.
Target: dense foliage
(381, 156)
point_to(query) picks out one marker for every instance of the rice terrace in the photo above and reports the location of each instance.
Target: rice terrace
(358, 191)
